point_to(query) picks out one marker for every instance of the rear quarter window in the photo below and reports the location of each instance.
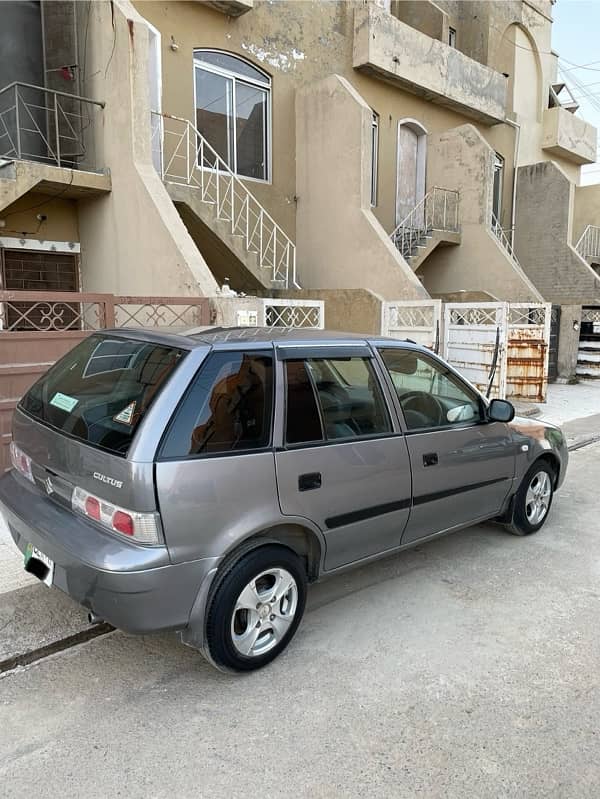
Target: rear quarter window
(227, 409)
(100, 391)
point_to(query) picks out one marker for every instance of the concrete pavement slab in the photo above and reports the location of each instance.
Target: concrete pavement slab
(467, 667)
(35, 616)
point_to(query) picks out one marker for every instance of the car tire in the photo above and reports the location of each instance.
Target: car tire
(533, 499)
(256, 607)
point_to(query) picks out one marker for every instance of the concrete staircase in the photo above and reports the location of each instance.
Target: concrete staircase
(236, 235)
(433, 222)
(426, 243)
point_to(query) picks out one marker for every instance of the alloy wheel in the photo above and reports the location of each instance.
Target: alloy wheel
(264, 612)
(537, 499)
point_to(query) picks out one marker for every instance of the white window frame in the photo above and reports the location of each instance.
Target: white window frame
(374, 157)
(267, 87)
(452, 37)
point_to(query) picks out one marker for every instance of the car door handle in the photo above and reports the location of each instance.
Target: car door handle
(430, 459)
(309, 481)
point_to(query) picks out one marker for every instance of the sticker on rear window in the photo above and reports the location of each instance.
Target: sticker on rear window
(64, 402)
(126, 415)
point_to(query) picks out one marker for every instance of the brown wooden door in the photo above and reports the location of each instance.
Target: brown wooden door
(29, 270)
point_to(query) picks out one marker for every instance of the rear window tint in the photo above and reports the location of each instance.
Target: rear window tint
(100, 391)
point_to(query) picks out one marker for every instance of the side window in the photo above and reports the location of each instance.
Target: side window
(430, 394)
(350, 402)
(303, 421)
(227, 409)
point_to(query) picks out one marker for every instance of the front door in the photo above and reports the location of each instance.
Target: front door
(406, 193)
(462, 466)
(344, 464)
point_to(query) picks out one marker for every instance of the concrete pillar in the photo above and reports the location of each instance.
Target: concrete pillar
(568, 341)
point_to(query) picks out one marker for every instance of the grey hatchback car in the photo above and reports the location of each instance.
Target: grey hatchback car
(199, 481)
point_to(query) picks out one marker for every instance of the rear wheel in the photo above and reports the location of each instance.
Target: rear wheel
(533, 499)
(256, 608)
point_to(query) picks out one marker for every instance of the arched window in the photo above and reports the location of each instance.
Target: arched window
(233, 111)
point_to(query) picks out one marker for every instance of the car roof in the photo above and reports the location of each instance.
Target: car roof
(214, 336)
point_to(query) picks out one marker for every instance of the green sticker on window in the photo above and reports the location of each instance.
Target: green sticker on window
(64, 402)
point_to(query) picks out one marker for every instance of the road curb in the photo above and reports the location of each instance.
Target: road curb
(583, 441)
(26, 658)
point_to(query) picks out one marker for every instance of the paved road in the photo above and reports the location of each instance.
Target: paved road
(465, 668)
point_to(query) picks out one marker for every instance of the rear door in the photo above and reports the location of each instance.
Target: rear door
(462, 465)
(344, 462)
(215, 472)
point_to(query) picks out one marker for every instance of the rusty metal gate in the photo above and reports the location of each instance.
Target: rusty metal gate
(502, 348)
(527, 351)
(419, 320)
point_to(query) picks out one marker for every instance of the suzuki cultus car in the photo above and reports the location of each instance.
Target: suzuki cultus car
(198, 482)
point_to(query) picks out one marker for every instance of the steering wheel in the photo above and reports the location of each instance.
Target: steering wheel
(425, 405)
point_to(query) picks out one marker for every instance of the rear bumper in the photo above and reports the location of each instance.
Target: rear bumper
(132, 587)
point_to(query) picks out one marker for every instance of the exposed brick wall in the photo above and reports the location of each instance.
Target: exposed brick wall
(544, 205)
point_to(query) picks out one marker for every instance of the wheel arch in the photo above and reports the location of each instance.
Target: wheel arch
(553, 461)
(300, 538)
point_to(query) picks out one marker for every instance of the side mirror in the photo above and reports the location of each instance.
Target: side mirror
(501, 411)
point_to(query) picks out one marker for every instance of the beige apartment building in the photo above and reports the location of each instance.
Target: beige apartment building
(403, 150)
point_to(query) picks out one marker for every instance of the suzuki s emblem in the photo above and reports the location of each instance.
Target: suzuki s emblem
(49, 486)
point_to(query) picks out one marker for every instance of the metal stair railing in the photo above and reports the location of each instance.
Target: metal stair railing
(506, 241)
(438, 210)
(186, 158)
(588, 245)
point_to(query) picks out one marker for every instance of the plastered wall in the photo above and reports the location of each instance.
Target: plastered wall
(462, 158)
(545, 201)
(340, 242)
(132, 240)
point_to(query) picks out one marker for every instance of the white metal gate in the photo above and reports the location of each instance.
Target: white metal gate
(419, 320)
(501, 347)
(475, 343)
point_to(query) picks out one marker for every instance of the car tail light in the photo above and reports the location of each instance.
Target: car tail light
(123, 522)
(21, 461)
(140, 527)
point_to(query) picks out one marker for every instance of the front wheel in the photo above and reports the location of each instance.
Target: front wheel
(256, 608)
(533, 499)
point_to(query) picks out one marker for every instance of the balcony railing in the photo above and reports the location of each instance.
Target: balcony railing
(588, 245)
(438, 210)
(38, 124)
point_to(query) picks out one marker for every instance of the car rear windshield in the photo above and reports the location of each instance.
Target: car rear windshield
(100, 391)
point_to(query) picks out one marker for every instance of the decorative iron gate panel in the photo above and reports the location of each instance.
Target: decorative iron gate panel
(419, 320)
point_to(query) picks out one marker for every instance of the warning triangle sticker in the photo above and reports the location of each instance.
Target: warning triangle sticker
(126, 415)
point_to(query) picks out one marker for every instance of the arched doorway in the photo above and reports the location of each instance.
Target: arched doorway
(410, 169)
